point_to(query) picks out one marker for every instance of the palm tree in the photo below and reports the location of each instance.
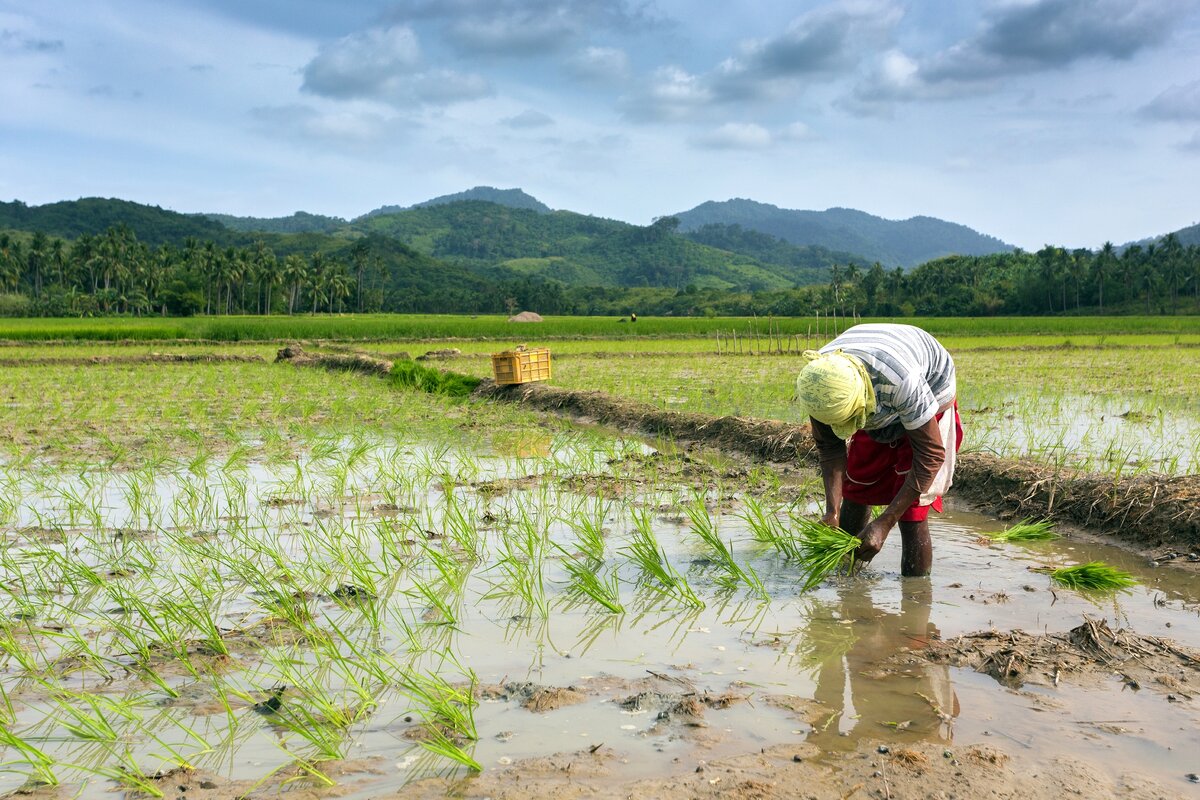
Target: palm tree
(58, 260)
(1103, 265)
(338, 284)
(316, 277)
(295, 273)
(268, 272)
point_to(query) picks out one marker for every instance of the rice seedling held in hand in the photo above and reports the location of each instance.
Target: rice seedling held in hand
(822, 550)
(1026, 531)
(1094, 576)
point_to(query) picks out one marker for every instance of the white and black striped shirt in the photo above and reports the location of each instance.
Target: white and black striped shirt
(912, 373)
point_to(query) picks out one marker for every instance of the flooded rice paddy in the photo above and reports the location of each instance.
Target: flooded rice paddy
(379, 611)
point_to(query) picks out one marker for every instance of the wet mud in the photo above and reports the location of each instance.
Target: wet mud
(1090, 654)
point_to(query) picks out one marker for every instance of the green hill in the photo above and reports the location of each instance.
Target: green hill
(1186, 236)
(71, 219)
(904, 243)
(511, 198)
(576, 249)
(300, 222)
(771, 249)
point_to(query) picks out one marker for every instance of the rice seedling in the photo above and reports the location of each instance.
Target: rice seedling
(40, 765)
(651, 559)
(520, 561)
(411, 375)
(440, 703)
(1094, 576)
(91, 717)
(822, 550)
(587, 583)
(1025, 531)
(769, 529)
(731, 572)
(438, 743)
(589, 531)
(127, 772)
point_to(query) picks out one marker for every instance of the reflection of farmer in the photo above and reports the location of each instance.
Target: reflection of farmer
(921, 698)
(890, 390)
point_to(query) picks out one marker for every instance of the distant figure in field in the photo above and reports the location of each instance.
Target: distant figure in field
(890, 390)
(633, 317)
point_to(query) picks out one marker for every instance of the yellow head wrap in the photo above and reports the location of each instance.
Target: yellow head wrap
(835, 388)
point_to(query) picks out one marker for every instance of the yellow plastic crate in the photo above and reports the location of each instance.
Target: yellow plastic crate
(521, 366)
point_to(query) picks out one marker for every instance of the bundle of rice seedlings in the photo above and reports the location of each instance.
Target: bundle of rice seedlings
(1094, 576)
(1026, 531)
(822, 550)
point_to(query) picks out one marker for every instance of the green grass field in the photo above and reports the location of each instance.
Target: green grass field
(448, 326)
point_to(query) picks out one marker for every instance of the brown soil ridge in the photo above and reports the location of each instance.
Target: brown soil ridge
(1148, 511)
(335, 362)
(149, 358)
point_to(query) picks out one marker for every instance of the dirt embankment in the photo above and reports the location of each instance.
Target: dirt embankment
(148, 358)
(336, 362)
(1159, 515)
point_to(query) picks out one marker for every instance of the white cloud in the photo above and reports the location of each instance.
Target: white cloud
(672, 93)
(363, 64)
(600, 64)
(736, 136)
(529, 118)
(797, 132)
(385, 64)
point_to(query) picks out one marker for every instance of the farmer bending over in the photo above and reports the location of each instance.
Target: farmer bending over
(890, 390)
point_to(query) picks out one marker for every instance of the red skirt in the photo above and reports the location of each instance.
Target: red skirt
(875, 471)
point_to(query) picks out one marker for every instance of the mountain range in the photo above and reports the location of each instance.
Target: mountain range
(903, 243)
(506, 234)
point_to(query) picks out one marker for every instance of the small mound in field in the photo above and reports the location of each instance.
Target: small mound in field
(440, 355)
(534, 697)
(1090, 653)
(526, 316)
(337, 362)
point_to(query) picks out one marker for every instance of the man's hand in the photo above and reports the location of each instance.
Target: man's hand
(873, 537)
(830, 519)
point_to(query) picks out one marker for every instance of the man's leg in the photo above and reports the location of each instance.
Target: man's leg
(917, 556)
(853, 516)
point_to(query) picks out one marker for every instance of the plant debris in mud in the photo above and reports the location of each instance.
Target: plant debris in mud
(1089, 653)
(534, 697)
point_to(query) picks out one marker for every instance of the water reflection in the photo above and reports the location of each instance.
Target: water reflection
(845, 646)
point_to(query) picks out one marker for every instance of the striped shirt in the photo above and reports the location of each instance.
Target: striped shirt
(912, 373)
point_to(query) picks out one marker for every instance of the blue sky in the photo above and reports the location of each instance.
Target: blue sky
(1038, 121)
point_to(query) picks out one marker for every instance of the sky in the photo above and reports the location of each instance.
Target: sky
(1067, 122)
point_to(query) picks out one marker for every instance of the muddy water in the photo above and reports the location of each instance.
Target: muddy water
(831, 647)
(805, 668)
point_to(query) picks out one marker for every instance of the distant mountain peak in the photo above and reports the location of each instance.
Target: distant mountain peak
(903, 243)
(511, 198)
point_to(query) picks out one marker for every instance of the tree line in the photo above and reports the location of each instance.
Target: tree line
(113, 273)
